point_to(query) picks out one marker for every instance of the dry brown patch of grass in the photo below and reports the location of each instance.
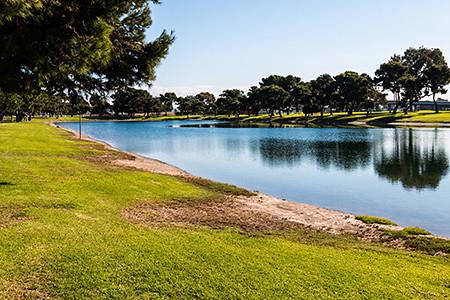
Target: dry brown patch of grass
(18, 291)
(12, 215)
(216, 214)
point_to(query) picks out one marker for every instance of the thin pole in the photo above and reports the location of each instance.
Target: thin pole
(79, 122)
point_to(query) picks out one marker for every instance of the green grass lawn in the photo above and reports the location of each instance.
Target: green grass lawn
(376, 118)
(343, 118)
(381, 117)
(386, 117)
(62, 236)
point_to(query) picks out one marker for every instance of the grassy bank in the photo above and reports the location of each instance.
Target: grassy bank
(375, 118)
(62, 235)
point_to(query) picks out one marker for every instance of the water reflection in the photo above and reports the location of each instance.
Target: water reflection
(416, 161)
(345, 155)
(281, 152)
(413, 158)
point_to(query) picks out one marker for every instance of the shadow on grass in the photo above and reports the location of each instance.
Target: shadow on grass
(388, 119)
(4, 183)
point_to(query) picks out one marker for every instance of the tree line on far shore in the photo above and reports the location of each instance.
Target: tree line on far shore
(419, 72)
(409, 78)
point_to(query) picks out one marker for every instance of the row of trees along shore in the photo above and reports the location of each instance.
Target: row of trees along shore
(409, 78)
(95, 65)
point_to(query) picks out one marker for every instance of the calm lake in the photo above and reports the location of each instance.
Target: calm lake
(400, 174)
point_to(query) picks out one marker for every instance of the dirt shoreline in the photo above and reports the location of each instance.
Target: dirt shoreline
(138, 162)
(306, 215)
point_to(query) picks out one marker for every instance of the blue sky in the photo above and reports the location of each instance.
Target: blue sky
(224, 44)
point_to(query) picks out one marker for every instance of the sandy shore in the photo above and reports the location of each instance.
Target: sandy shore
(309, 216)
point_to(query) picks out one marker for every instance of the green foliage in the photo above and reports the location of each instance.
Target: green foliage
(428, 245)
(167, 100)
(323, 91)
(414, 231)
(130, 101)
(10, 103)
(11, 9)
(303, 96)
(407, 232)
(389, 76)
(209, 102)
(417, 73)
(354, 90)
(99, 105)
(273, 98)
(420, 240)
(230, 101)
(69, 50)
(190, 105)
(375, 220)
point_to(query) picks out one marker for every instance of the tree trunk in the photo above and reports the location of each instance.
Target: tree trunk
(436, 107)
(411, 104)
(19, 117)
(397, 104)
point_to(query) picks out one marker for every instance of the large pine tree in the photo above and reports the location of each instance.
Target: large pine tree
(75, 48)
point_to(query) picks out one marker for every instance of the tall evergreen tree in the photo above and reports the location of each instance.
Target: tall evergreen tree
(73, 48)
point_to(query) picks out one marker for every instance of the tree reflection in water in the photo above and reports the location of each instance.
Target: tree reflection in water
(416, 160)
(346, 155)
(413, 158)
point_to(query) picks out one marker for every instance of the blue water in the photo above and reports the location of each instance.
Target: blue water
(401, 174)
